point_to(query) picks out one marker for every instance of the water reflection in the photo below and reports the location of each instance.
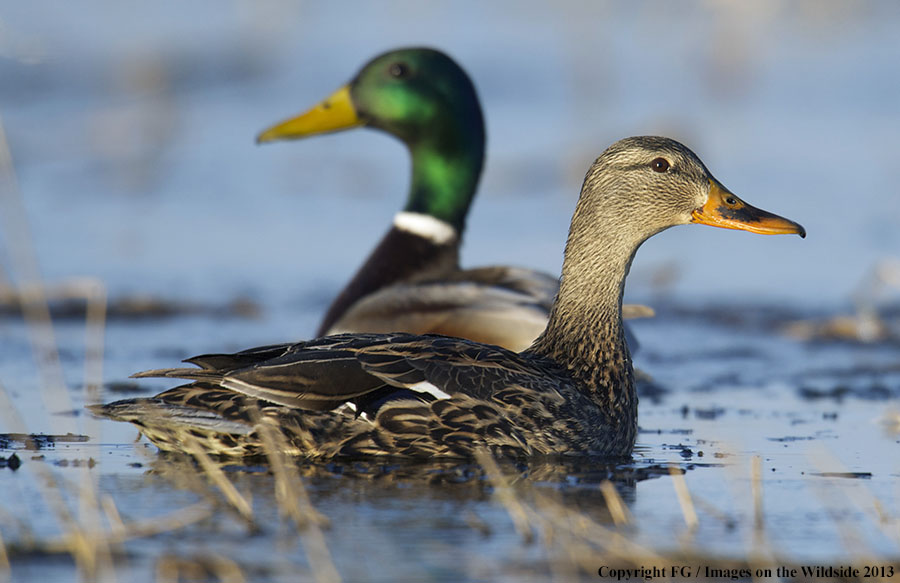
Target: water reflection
(575, 482)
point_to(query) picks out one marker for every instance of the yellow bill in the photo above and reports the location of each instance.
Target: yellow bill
(333, 114)
(724, 209)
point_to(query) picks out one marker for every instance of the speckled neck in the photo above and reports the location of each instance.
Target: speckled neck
(585, 333)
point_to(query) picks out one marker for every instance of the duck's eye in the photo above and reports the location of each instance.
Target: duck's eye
(730, 200)
(398, 70)
(659, 164)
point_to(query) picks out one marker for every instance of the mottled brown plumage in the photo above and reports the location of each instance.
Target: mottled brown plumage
(571, 392)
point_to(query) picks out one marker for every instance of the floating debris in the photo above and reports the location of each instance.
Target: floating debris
(666, 431)
(76, 463)
(69, 301)
(123, 387)
(12, 462)
(864, 328)
(891, 421)
(871, 323)
(38, 440)
(872, 392)
(853, 475)
(711, 413)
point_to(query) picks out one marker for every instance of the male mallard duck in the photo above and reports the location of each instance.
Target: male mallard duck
(571, 392)
(412, 281)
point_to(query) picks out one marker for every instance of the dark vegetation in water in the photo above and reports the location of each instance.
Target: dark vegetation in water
(38, 440)
(872, 326)
(874, 392)
(12, 462)
(124, 387)
(137, 307)
(851, 475)
(577, 472)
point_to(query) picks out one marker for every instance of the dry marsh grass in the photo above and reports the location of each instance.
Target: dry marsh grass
(578, 544)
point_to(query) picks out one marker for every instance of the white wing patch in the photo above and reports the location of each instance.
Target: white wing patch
(349, 408)
(426, 387)
(346, 408)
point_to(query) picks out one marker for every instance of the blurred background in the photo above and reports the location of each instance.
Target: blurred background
(132, 133)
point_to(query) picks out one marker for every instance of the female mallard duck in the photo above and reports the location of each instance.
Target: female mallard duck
(412, 280)
(571, 392)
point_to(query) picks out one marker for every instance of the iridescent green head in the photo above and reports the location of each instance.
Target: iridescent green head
(426, 100)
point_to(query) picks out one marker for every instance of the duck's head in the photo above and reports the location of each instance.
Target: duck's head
(423, 98)
(647, 184)
(408, 93)
(638, 187)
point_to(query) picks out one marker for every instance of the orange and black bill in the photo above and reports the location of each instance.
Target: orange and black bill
(333, 114)
(726, 210)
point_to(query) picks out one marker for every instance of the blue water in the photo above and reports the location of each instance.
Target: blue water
(132, 136)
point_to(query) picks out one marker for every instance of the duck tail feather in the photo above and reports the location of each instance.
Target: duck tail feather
(195, 374)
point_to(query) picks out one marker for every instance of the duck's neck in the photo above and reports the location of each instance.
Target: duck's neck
(416, 247)
(423, 242)
(585, 333)
(446, 167)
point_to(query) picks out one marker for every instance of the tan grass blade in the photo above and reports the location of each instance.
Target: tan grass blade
(614, 503)
(293, 501)
(503, 491)
(757, 492)
(684, 497)
(218, 477)
(34, 305)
